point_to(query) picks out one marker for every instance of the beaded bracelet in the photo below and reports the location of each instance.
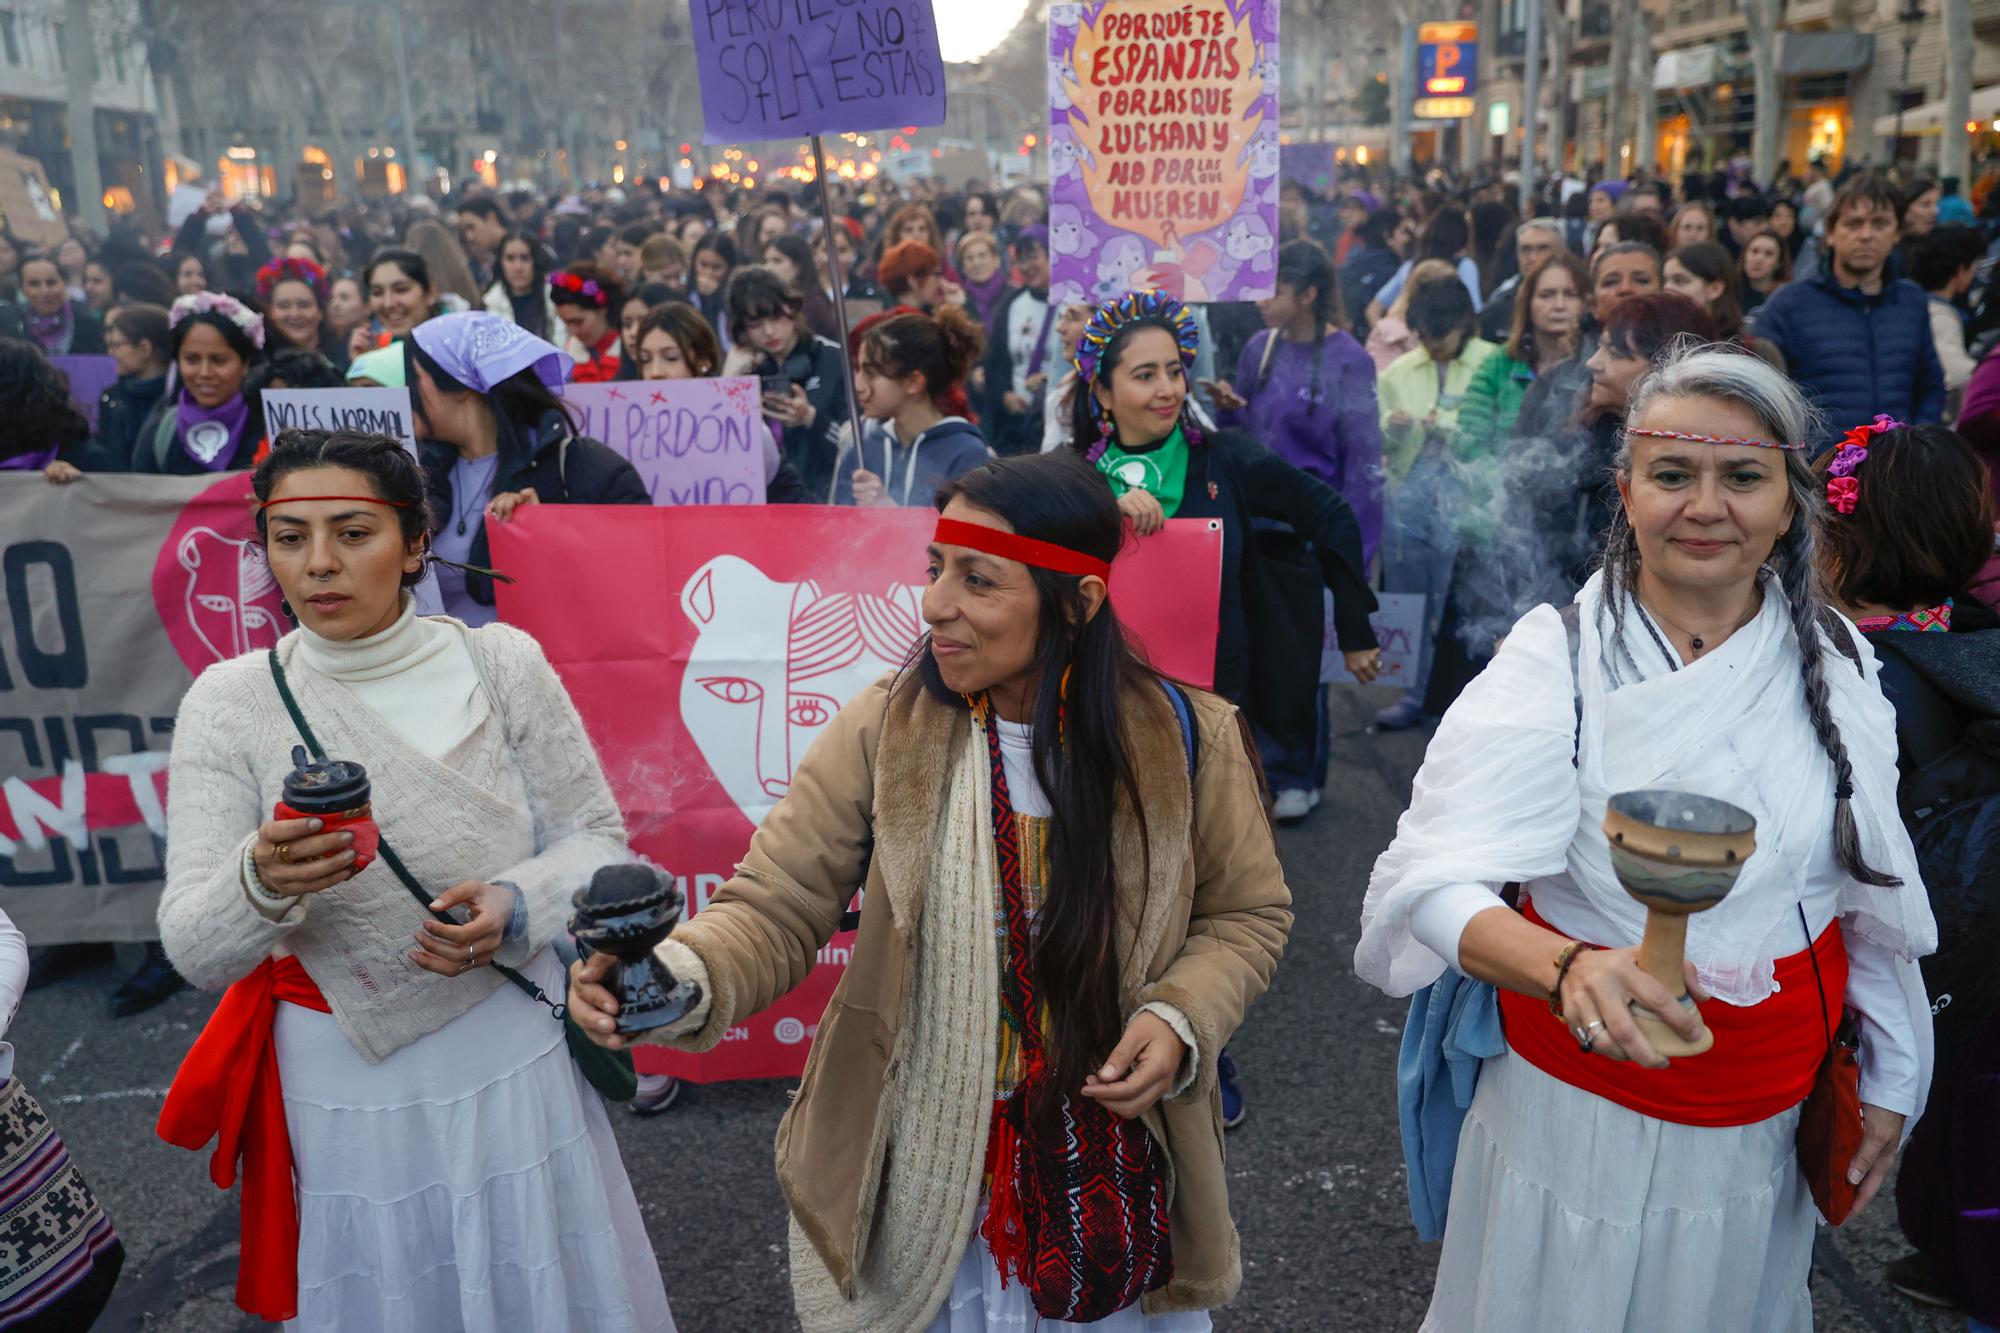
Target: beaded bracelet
(1563, 961)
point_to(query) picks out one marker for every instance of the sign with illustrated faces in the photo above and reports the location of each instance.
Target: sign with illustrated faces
(1163, 149)
(784, 71)
(708, 648)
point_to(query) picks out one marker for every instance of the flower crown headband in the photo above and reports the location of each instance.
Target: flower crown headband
(1843, 488)
(291, 270)
(587, 288)
(217, 303)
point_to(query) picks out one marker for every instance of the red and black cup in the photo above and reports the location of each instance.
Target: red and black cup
(335, 792)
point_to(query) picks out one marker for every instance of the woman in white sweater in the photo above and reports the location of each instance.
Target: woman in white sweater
(448, 1165)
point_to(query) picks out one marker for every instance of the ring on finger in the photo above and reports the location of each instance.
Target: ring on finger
(284, 852)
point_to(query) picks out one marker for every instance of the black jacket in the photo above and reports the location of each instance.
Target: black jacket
(1272, 620)
(1365, 273)
(561, 468)
(121, 411)
(155, 451)
(816, 366)
(1010, 432)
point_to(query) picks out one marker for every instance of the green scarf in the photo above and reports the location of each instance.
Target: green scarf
(1160, 470)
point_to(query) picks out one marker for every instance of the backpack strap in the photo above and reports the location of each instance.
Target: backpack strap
(1184, 711)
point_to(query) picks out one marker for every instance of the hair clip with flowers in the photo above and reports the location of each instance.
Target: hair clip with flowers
(290, 269)
(586, 288)
(1843, 488)
(248, 321)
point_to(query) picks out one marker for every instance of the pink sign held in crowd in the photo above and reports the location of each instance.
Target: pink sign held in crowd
(1163, 149)
(696, 442)
(730, 639)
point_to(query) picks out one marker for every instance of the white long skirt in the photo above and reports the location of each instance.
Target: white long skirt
(467, 1181)
(978, 1303)
(1569, 1211)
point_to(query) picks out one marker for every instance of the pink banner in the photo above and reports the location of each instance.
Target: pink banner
(678, 632)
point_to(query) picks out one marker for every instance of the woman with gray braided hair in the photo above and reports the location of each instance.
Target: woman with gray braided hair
(1591, 1182)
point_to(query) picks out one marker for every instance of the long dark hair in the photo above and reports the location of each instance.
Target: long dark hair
(1086, 670)
(35, 396)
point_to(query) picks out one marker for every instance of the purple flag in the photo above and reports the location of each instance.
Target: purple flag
(789, 70)
(89, 377)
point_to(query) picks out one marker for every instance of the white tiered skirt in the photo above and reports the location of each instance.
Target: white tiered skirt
(1569, 1211)
(467, 1181)
(979, 1304)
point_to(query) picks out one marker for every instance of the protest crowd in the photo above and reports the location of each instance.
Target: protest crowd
(1689, 485)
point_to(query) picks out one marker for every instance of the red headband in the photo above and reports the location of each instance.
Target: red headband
(364, 499)
(1027, 550)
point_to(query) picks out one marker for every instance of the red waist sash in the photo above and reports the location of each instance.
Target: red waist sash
(1763, 1062)
(227, 1089)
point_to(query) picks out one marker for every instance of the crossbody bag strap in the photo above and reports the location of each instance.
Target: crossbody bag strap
(388, 853)
(1813, 954)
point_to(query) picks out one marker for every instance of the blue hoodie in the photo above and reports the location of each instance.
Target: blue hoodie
(912, 473)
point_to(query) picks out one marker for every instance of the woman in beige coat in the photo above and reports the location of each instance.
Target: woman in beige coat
(1043, 827)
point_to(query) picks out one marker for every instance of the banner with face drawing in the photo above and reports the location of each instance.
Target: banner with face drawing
(1163, 149)
(707, 648)
(117, 591)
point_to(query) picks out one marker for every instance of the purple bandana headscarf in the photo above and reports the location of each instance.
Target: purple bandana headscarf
(211, 435)
(479, 350)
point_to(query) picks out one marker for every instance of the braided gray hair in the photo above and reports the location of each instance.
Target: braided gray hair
(1691, 369)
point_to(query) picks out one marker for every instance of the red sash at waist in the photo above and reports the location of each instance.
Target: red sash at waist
(227, 1089)
(1763, 1062)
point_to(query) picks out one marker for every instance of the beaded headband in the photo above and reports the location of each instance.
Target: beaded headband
(1013, 546)
(1709, 439)
(1109, 318)
(1843, 488)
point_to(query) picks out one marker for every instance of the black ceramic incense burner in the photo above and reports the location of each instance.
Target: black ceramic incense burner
(626, 911)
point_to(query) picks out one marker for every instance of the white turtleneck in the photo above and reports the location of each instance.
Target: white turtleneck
(417, 675)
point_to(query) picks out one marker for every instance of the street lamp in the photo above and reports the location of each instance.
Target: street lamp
(1911, 17)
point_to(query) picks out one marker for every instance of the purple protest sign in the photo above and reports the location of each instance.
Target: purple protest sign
(1163, 149)
(784, 71)
(696, 442)
(89, 377)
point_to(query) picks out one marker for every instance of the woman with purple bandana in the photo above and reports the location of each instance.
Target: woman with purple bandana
(205, 423)
(493, 437)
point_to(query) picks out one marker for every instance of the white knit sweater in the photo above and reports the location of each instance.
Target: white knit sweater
(519, 798)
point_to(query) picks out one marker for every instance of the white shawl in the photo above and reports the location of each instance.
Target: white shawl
(1499, 799)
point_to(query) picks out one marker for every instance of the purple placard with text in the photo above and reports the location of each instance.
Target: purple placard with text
(782, 71)
(1163, 149)
(696, 442)
(89, 377)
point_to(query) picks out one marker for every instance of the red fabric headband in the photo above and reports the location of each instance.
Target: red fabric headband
(1027, 550)
(364, 499)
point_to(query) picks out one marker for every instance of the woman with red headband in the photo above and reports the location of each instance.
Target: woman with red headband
(419, 1150)
(1071, 894)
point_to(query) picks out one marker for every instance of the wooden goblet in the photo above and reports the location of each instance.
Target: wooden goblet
(1676, 853)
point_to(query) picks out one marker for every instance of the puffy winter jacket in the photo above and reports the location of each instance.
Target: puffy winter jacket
(1857, 354)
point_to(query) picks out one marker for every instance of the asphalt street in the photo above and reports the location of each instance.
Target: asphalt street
(1317, 1178)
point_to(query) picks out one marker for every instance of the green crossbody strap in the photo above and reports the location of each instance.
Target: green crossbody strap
(388, 853)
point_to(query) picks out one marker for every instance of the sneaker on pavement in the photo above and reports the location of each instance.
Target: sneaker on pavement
(1293, 804)
(1911, 1275)
(1232, 1099)
(1401, 715)
(657, 1093)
